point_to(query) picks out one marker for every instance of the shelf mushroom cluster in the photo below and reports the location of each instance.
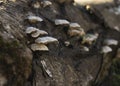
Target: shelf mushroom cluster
(76, 30)
(43, 3)
(40, 41)
(107, 43)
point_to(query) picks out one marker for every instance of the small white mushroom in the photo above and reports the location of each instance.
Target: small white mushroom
(89, 38)
(36, 4)
(74, 25)
(61, 22)
(67, 43)
(30, 30)
(86, 49)
(110, 42)
(76, 32)
(38, 33)
(46, 40)
(106, 49)
(46, 3)
(46, 68)
(39, 47)
(34, 19)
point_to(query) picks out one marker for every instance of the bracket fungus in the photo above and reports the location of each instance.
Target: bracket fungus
(34, 19)
(89, 38)
(38, 33)
(110, 42)
(74, 25)
(46, 3)
(76, 32)
(36, 4)
(106, 49)
(61, 22)
(39, 47)
(30, 30)
(85, 48)
(46, 40)
(67, 43)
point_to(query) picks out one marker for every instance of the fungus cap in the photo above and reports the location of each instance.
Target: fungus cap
(38, 33)
(46, 3)
(67, 43)
(46, 40)
(111, 42)
(106, 49)
(36, 4)
(74, 25)
(39, 47)
(86, 49)
(61, 22)
(34, 19)
(30, 30)
(91, 37)
(76, 32)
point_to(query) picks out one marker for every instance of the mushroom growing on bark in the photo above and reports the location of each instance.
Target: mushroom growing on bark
(106, 49)
(30, 30)
(39, 47)
(38, 33)
(76, 32)
(61, 22)
(34, 19)
(110, 42)
(89, 38)
(36, 4)
(74, 25)
(46, 40)
(46, 3)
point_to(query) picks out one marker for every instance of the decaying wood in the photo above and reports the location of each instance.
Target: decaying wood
(65, 65)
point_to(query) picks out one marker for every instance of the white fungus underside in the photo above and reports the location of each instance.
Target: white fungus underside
(35, 18)
(39, 47)
(30, 30)
(46, 3)
(74, 25)
(38, 33)
(61, 22)
(45, 40)
(90, 37)
(111, 42)
(75, 32)
(106, 49)
(85, 48)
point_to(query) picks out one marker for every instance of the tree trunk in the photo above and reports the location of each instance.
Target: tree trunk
(69, 65)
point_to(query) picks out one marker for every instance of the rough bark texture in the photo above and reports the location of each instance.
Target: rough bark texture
(70, 66)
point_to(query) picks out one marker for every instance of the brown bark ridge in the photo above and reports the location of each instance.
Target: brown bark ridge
(68, 65)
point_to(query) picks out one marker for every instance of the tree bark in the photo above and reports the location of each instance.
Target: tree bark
(69, 66)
